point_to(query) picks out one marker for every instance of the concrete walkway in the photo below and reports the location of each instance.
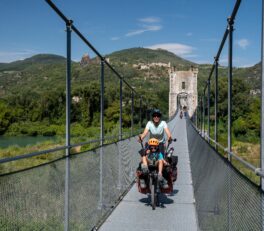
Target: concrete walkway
(178, 212)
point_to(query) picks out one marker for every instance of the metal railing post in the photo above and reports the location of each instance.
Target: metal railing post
(208, 106)
(216, 103)
(196, 115)
(140, 113)
(101, 133)
(121, 109)
(120, 132)
(202, 108)
(68, 124)
(132, 112)
(102, 104)
(230, 67)
(203, 114)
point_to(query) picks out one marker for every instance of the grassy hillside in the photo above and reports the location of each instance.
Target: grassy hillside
(32, 62)
(144, 55)
(250, 75)
(44, 72)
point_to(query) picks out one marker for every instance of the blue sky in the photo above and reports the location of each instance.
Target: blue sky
(191, 29)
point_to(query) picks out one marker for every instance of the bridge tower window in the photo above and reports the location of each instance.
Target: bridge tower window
(183, 85)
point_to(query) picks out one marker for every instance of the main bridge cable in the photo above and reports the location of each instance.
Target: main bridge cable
(230, 20)
(70, 22)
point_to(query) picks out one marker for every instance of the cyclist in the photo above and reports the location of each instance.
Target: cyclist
(157, 129)
(153, 155)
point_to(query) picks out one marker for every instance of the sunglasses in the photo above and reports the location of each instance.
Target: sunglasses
(153, 147)
(156, 116)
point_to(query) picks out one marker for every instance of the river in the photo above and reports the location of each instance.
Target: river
(22, 141)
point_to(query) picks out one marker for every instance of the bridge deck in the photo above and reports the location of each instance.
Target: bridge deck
(178, 213)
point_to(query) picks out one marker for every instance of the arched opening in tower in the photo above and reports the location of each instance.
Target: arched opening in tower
(182, 101)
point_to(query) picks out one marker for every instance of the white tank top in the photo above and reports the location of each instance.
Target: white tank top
(157, 131)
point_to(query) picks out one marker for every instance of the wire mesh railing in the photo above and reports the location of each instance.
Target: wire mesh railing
(225, 199)
(220, 115)
(33, 199)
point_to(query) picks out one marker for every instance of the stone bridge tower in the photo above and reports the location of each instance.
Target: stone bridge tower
(183, 91)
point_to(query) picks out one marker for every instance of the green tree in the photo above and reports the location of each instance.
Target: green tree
(6, 117)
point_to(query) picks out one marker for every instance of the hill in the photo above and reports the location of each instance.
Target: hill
(144, 55)
(43, 59)
(32, 91)
(252, 75)
(38, 73)
(45, 72)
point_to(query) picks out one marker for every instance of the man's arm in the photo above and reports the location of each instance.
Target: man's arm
(168, 134)
(143, 135)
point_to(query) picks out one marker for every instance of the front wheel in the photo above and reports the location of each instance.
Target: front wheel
(153, 194)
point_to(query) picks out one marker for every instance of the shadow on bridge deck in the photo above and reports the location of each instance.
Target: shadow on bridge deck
(178, 212)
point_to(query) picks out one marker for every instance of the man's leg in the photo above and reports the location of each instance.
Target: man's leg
(144, 165)
(160, 177)
(144, 169)
(160, 166)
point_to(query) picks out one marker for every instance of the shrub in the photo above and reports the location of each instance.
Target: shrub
(49, 132)
(240, 127)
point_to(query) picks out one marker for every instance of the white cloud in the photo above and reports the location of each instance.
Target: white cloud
(200, 61)
(176, 48)
(243, 43)
(190, 56)
(237, 62)
(248, 65)
(143, 30)
(10, 56)
(223, 61)
(150, 20)
(115, 38)
(147, 26)
(136, 32)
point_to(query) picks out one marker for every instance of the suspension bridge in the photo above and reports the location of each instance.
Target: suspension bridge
(95, 190)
